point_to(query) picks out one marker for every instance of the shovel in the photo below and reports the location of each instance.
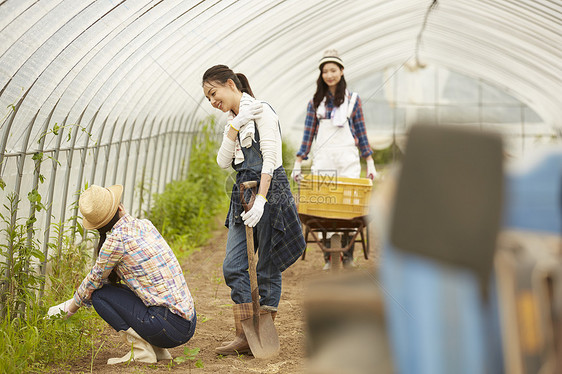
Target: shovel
(260, 331)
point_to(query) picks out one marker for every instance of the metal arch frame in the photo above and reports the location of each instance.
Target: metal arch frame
(155, 154)
(128, 144)
(147, 96)
(175, 168)
(145, 162)
(85, 67)
(97, 150)
(98, 105)
(136, 159)
(171, 158)
(54, 174)
(57, 29)
(90, 129)
(161, 138)
(118, 153)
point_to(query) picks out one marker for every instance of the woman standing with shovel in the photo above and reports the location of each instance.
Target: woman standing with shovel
(252, 146)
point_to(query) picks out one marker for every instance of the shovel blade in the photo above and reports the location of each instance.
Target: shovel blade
(262, 337)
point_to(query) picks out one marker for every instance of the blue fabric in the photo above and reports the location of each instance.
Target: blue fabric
(533, 198)
(278, 234)
(287, 241)
(235, 264)
(438, 322)
(122, 309)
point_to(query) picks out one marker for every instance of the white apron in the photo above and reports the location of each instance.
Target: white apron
(334, 151)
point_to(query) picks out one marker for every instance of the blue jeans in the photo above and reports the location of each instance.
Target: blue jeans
(235, 263)
(121, 308)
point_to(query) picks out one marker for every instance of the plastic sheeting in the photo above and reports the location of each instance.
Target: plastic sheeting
(112, 89)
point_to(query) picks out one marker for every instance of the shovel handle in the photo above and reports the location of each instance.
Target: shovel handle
(250, 249)
(243, 186)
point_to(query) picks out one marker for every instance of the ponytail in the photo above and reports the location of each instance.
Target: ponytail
(222, 73)
(244, 84)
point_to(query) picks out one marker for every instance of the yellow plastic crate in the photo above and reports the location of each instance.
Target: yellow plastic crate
(334, 197)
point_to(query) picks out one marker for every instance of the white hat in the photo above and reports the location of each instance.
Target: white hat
(98, 205)
(330, 55)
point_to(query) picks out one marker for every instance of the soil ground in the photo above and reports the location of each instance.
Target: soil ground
(203, 272)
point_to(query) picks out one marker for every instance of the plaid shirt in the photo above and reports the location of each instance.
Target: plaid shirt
(287, 239)
(357, 127)
(145, 262)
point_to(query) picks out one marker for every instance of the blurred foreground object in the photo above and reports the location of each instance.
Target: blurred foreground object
(439, 296)
(449, 197)
(346, 333)
(529, 266)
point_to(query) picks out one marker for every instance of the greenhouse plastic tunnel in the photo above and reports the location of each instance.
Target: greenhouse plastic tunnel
(106, 92)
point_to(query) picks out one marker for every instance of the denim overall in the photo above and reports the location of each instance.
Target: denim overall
(235, 264)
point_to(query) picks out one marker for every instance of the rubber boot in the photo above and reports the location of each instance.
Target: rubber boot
(162, 353)
(239, 345)
(141, 350)
(273, 315)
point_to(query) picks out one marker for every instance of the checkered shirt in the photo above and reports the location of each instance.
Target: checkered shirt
(145, 263)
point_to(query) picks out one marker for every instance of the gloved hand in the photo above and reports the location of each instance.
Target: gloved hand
(296, 174)
(371, 171)
(247, 114)
(62, 307)
(253, 216)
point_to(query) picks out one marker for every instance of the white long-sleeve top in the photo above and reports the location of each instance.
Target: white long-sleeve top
(270, 142)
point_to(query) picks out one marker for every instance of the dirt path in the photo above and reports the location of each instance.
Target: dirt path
(203, 271)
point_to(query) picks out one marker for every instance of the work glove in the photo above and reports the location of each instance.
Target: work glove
(246, 114)
(61, 308)
(371, 171)
(296, 174)
(253, 216)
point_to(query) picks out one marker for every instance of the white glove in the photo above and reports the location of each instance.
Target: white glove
(371, 171)
(247, 114)
(61, 308)
(296, 174)
(253, 216)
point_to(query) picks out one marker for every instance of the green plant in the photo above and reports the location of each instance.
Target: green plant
(33, 342)
(94, 354)
(184, 211)
(29, 341)
(142, 189)
(289, 154)
(69, 260)
(189, 354)
(217, 279)
(56, 129)
(18, 280)
(387, 155)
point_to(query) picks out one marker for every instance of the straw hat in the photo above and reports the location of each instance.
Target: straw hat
(330, 55)
(98, 205)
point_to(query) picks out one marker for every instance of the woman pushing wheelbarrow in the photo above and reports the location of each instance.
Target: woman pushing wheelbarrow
(252, 146)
